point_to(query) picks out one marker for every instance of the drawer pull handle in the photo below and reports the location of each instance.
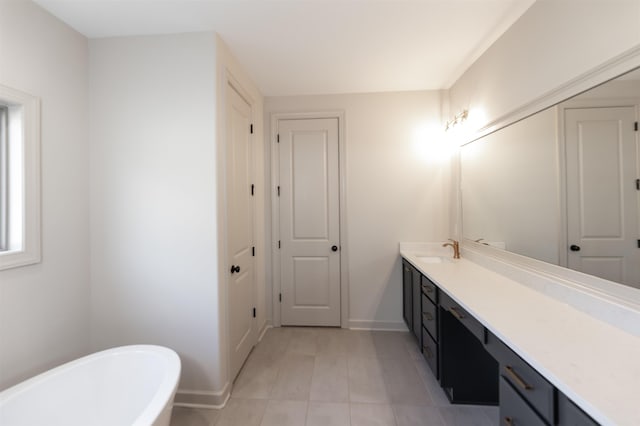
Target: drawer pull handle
(427, 289)
(427, 352)
(508, 421)
(455, 313)
(516, 378)
(427, 316)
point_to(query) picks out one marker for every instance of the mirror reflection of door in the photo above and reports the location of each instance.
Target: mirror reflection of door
(602, 197)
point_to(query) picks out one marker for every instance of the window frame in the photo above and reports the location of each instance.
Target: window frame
(20, 180)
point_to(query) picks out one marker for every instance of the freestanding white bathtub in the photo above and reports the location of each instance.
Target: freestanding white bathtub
(129, 385)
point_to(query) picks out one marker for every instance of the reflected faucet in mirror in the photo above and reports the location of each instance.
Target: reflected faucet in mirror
(456, 248)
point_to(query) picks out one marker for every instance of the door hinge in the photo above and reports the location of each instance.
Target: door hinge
(251, 129)
(279, 245)
(254, 312)
(280, 297)
(278, 138)
(252, 188)
(638, 184)
(638, 243)
(635, 126)
(253, 251)
(278, 190)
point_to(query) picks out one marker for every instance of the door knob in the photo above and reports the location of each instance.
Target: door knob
(574, 247)
(334, 248)
(235, 268)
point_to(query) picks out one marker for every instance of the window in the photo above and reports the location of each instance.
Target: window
(19, 178)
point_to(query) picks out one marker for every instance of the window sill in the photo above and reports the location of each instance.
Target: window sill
(16, 258)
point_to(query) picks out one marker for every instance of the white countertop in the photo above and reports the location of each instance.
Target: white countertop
(594, 363)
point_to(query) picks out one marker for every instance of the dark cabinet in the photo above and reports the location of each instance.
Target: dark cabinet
(569, 414)
(407, 293)
(417, 306)
(429, 319)
(455, 355)
(514, 411)
(474, 366)
(523, 379)
(466, 319)
(411, 300)
(430, 352)
(468, 373)
(429, 289)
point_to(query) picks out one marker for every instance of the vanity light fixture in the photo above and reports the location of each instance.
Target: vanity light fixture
(457, 119)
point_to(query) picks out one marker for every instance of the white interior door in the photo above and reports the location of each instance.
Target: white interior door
(602, 199)
(309, 222)
(242, 324)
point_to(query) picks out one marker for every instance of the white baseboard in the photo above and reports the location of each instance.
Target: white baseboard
(266, 326)
(202, 399)
(355, 324)
(210, 399)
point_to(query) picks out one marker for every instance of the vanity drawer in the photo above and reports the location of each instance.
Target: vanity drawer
(429, 319)
(429, 289)
(534, 388)
(430, 352)
(448, 304)
(570, 414)
(514, 411)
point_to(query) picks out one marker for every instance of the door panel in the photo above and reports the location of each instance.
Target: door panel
(309, 185)
(309, 222)
(311, 275)
(242, 325)
(602, 200)
(610, 267)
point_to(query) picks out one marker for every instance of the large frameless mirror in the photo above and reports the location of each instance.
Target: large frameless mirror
(562, 185)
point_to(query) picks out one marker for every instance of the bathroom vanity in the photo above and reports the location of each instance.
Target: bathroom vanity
(492, 339)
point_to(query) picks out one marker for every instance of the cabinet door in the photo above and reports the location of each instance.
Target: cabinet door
(514, 411)
(468, 373)
(429, 317)
(570, 415)
(407, 295)
(417, 305)
(430, 352)
(529, 383)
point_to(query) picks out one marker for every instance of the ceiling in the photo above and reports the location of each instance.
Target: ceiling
(295, 47)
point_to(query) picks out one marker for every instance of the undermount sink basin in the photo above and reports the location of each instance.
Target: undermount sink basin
(433, 259)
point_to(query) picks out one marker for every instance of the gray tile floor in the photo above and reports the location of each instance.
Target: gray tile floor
(329, 376)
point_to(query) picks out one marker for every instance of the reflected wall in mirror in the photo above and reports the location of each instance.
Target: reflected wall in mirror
(561, 185)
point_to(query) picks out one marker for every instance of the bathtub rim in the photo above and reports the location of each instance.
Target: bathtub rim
(161, 399)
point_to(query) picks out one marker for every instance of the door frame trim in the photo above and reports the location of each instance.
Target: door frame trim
(275, 211)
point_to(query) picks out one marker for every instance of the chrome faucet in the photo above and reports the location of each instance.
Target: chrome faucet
(456, 248)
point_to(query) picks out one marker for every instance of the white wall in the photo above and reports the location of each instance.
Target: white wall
(44, 308)
(153, 199)
(397, 189)
(158, 204)
(619, 89)
(554, 42)
(510, 189)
